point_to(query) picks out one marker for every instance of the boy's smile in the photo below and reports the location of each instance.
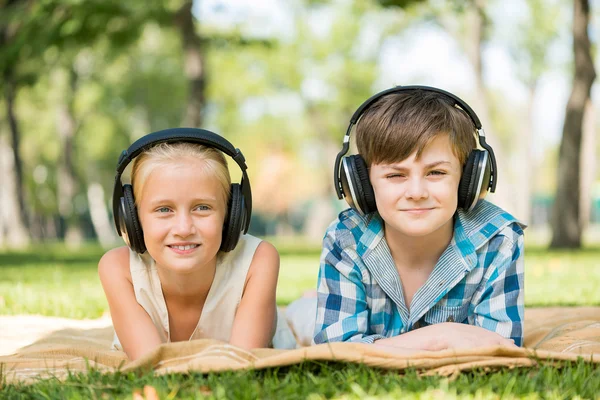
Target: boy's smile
(417, 197)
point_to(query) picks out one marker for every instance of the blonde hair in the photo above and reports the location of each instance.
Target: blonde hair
(214, 164)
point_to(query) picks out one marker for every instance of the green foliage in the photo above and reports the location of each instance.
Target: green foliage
(400, 3)
(530, 47)
(323, 380)
(33, 29)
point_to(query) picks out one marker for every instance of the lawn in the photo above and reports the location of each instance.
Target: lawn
(57, 282)
(47, 282)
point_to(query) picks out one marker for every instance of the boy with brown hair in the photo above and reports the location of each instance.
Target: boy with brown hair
(420, 260)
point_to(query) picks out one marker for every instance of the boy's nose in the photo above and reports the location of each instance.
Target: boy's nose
(417, 189)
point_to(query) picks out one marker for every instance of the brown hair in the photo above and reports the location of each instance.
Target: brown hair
(397, 124)
(166, 153)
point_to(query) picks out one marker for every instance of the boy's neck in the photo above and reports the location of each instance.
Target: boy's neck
(417, 252)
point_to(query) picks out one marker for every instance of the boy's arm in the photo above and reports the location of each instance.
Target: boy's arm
(500, 307)
(342, 308)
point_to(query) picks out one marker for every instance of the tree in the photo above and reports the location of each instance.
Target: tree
(28, 32)
(193, 65)
(529, 48)
(565, 222)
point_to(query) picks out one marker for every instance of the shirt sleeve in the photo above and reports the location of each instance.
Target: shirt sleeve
(500, 308)
(342, 308)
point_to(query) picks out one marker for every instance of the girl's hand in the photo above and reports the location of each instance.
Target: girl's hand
(133, 325)
(254, 322)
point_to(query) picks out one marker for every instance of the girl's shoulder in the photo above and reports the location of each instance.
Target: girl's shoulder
(115, 263)
(265, 259)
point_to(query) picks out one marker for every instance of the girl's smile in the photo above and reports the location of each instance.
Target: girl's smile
(182, 210)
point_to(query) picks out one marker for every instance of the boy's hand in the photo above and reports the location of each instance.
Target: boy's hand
(462, 336)
(447, 335)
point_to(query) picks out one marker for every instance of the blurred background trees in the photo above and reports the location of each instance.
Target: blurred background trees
(81, 80)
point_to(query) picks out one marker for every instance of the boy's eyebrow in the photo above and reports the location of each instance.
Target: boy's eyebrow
(427, 166)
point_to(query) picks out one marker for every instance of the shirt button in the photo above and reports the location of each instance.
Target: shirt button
(402, 330)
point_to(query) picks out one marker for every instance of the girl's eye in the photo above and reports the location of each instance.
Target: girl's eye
(163, 209)
(202, 207)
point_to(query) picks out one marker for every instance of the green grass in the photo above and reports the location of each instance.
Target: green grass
(317, 380)
(56, 282)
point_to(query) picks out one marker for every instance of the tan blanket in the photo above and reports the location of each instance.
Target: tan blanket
(552, 335)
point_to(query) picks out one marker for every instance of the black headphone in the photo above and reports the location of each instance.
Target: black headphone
(351, 175)
(240, 199)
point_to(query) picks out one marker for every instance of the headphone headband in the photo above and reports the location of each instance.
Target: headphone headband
(190, 135)
(337, 181)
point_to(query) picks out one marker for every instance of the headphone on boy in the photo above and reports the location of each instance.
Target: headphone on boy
(240, 200)
(351, 175)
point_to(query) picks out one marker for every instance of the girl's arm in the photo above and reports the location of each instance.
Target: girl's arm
(132, 323)
(254, 322)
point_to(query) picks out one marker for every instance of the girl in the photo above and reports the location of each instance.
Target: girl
(177, 281)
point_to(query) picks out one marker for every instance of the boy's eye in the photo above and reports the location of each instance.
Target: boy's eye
(163, 209)
(392, 176)
(437, 173)
(202, 207)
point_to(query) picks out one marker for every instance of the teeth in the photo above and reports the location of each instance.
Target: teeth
(186, 247)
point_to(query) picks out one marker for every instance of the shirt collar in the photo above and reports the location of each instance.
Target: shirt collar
(472, 230)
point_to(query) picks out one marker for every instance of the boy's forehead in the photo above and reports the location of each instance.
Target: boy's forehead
(437, 150)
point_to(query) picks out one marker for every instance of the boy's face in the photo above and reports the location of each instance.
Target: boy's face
(418, 197)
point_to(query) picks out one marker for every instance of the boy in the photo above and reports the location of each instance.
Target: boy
(419, 247)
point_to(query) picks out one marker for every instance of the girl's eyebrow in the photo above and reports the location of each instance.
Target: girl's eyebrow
(168, 201)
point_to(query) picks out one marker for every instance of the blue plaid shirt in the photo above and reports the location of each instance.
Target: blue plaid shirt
(477, 280)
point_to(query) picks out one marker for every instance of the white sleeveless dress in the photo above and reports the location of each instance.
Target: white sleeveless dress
(218, 313)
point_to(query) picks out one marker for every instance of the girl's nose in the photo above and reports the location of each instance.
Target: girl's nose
(184, 225)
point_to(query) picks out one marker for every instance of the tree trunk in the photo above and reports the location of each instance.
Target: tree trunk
(67, 178)
(10, 95)
(566, 222)
(588, 164)
(194, 66)
(12, 230)
(103, 226)
(525, 163)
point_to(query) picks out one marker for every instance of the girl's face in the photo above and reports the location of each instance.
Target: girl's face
(182, 211)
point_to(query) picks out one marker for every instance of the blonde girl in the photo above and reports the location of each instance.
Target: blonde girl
(189, 270)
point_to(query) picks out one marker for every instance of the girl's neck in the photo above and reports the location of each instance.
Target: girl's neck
(190, 287)
(417, 252)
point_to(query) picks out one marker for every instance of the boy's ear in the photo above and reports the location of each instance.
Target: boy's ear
(356, 185)
(474, 181)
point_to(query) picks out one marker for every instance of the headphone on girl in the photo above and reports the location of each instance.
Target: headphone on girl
(240, 199)
(351, 175)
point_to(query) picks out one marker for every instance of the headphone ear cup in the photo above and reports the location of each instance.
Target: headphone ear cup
(357, 186)
(471, 182)
(133, 229)
(232, 229)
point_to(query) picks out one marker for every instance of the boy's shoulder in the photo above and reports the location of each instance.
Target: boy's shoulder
(350, 228)
(485, 222)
